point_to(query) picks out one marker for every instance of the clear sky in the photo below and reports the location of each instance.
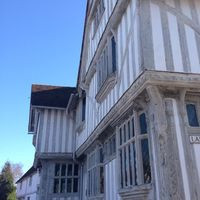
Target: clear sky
(40, 42)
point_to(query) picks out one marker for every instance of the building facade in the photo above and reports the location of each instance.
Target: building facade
(132, 123)
(28, 185)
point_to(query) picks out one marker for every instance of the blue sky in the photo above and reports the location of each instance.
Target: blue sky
(40, 42)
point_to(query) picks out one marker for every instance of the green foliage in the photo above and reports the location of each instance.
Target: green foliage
(7, 188)
(12, 196)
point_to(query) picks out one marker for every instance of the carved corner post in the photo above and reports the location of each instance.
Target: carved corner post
(167, 177)
(43, 178)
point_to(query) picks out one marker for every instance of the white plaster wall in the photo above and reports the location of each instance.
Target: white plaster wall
(111, 192)
(55, 132)
(29, 190)
(183, 35)
(128, 69)
(197, 153)
(94, 39)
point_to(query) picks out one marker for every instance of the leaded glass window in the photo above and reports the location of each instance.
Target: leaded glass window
(66, 178)
(192, 115)
(133, 147)
(95, 173)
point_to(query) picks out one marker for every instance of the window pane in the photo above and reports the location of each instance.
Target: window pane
(125, 167)
(63, 170)
(57, 170)
(101, 155)
(69, 185)
(120, 135)
(69, 171)
(114, 144)
(75, 186)
(192, 115)
(124, 133)
(101, 180)
(129, 130)
(110, 147)
(130, 164)
(83, 108)
(114, 60)
(143, 124)
(121, 171)
(133, 126)
(62, 189)
(75, 170)
(56, 186)
(146, 161)
(134, 163)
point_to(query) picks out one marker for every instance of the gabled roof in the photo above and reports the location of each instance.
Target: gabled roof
(51, 96)
(31, 171)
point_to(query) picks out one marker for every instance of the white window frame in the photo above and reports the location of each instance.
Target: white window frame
(94, 166)
(136, 168)
(106, 74)
(109, 148)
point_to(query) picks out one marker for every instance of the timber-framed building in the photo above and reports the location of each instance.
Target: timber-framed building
(130, 130)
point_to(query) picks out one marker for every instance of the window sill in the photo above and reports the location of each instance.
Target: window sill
(193, 130)
(136, 192)
(80, 127)
(107, 86)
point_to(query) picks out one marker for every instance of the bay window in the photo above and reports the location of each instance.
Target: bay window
(133, 152)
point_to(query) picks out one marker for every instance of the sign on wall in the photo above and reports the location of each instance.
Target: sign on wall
(195, 139)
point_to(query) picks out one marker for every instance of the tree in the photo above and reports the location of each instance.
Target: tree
(7, 188)
(16, 171)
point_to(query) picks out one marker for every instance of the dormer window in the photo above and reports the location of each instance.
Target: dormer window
(98, 14)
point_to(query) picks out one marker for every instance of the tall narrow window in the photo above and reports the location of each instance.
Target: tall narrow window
(32, 121)
(83, 108)
(95, 173)
(133, 147)
(114, 58)
(192, 115)
(107, 62)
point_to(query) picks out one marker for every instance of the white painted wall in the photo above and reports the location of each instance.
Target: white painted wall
(128, 68)
(129, 54)
(55, 132)
(111, 192)
(197, 153)
(95, 39)
(29, 190)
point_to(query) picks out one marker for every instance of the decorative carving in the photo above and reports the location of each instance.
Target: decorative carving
(145, 79)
